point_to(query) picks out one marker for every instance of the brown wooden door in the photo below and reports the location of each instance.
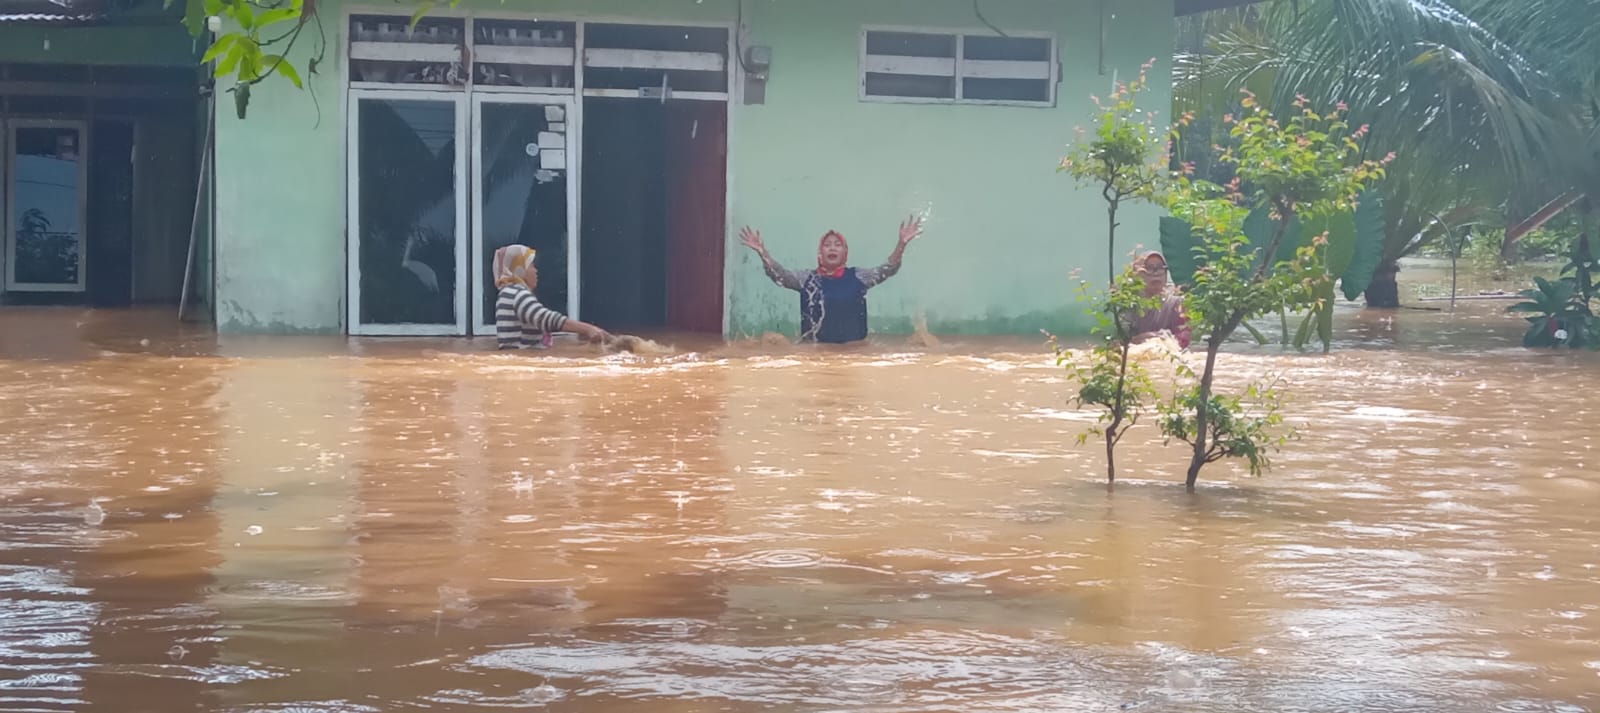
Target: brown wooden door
(697, 171)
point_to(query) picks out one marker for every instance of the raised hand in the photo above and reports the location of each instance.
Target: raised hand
(752, 239)
(910, 230)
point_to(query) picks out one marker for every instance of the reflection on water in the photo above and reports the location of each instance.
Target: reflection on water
(276, 525)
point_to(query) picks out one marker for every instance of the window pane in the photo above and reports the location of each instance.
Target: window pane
(911, 85)
(1009, 90)
(407, 212)
(908, 44)
(47, 212)
(1017, 49)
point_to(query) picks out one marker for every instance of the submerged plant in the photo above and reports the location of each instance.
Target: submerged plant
(1561, 312)
(1109, 379)
(1307, 167)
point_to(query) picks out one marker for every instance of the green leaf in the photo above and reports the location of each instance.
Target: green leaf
(1341, 232)
(223, 44)
(194, 17)
(1538, 334)
(212, 7)
(241, 99)
(230, 61)
(1303, 335)
(1256, 333)
(1178, 245)
(422, 11)
(287, 70)
(244, 13)
(250, 65)
(1259, 227)
(274, 16)
(1325, 315)
(1369, 245)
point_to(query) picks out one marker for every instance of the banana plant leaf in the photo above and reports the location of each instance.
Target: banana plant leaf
(1302, 336)
(1178, 245)
(1259, 228)
(1341, 232)
(1368, 246)
(1255, 333)
(1178, 242)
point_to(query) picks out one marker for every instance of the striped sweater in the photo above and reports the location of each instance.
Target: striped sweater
(521, 322)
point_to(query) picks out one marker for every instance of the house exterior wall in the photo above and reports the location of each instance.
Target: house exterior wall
(152, 45)
(1004, 229)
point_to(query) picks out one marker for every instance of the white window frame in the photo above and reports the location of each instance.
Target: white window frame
(963, 68)
(10, 213)
(356, 327)
(483, 321)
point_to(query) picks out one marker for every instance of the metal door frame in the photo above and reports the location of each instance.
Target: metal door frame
(353, 213)
(11, 126)
(483, 324)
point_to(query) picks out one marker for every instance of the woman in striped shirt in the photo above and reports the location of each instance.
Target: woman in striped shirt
(520, 321)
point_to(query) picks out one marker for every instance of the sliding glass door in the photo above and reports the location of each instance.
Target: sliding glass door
(522, 194)
(408, 213)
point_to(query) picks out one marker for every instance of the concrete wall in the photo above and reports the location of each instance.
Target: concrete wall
(1004, 229)
(1004, 232)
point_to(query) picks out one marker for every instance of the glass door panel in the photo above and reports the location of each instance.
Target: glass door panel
(522, 195)
(45, 194)
(408, 217)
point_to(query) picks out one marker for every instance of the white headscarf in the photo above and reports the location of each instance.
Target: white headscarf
(511, 265)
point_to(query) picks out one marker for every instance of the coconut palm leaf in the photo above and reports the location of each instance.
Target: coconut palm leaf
(1454, 94)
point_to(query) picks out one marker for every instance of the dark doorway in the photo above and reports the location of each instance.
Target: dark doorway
(110, 240)
(654, 186)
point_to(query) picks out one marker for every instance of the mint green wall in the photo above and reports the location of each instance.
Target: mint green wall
(158, 45)
(280, 203)
(1004, 232)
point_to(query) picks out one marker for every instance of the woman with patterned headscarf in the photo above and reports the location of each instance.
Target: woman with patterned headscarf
(520, 321)
(833, 297)
(1169, 317)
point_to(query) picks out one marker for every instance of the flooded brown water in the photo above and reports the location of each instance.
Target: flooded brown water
(191, 524)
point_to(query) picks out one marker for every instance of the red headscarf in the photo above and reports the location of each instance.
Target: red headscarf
(824, 270)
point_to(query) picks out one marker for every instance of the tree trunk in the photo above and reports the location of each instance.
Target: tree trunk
(1201, 420)
(1111, 458)
(1384, 292)
(1111, 243)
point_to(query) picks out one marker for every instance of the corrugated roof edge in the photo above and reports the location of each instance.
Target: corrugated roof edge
(47, 17)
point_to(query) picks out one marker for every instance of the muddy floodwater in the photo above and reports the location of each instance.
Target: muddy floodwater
(192, 523)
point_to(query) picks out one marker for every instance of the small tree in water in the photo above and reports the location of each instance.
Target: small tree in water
(1307, 168)
(1124, 157)
(1111, 380)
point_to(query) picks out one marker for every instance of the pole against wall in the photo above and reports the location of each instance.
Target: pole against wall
(199, 196)
(1102, 59)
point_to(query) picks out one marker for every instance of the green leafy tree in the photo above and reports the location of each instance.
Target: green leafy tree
(1309, 168)
(1124, 157)
(1492, 105)
(1109, 379)
(255, 39)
